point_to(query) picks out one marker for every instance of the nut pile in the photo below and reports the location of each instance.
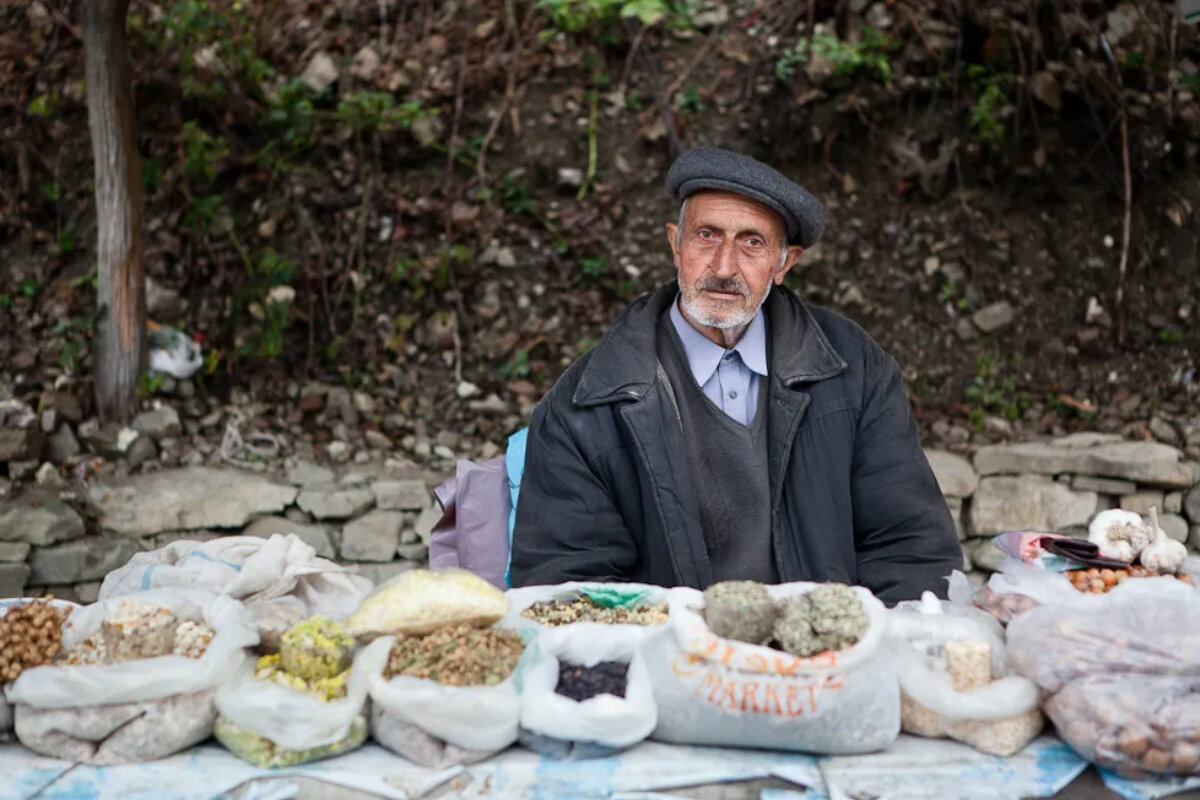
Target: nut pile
(584, 609)
(1099, 581)
(583, 683)
(457, 656)
(30, 636)
(133, 631)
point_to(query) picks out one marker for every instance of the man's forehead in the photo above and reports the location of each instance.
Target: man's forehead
(723, 208)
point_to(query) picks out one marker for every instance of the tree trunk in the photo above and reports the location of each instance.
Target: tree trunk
(120, 354)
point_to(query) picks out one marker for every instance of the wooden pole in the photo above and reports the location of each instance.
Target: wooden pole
(120, 346)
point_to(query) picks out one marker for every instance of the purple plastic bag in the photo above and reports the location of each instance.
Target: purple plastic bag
(473, 531)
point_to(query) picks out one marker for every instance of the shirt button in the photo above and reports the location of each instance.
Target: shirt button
(733, 395)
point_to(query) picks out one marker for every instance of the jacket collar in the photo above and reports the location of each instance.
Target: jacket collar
(623, 366)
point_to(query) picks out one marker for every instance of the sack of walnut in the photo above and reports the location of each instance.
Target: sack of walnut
(1121, 677)
(88, 708)
(950, 662)
(30, 636)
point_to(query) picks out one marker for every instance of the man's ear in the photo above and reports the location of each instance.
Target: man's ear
(673, 241)
(794, 252)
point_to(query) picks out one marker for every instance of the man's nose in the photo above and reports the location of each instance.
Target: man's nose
(724, 263)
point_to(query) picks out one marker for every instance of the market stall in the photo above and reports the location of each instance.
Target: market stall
(438, 682)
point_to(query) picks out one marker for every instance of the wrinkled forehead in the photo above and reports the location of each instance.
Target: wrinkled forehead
(733, 212)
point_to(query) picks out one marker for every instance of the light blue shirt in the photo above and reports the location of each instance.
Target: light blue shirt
(729, 378)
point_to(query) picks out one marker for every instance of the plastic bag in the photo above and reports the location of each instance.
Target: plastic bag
(6, 709)
(610, 595)
(716, 691)
(999, 718)
(605, 720)
(440, 726)
(473, 531)
(419, 601)
(1122, 675)
(83, 713)
(272, 725)
(280, 579)
(123, 733)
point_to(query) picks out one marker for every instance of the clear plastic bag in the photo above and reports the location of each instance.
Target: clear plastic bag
(270, 724)
(715, 691)
(606, 720)
(999, 718)
(1121, 674)
(134, 710)
(418, 602)
(438, 726)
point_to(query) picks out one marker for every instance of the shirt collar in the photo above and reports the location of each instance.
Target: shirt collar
(704, 355)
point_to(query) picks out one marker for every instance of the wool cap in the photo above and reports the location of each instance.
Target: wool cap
(713, 169)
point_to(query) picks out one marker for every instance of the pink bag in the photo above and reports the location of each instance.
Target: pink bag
(473, 531)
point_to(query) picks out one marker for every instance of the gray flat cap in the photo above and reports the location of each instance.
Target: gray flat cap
(713, 169)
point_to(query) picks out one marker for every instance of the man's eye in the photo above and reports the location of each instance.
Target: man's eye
(754, 242)
(705, 234)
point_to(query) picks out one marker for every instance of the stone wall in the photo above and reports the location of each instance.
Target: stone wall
(375, 517)
(379, 516)
(1060, 485)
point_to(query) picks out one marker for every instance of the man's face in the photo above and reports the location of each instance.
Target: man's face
(727, 257)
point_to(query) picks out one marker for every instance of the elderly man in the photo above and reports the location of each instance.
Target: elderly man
(724, 430)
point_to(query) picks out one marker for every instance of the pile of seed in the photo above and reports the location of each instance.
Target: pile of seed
(30, 636)
(584, 609)
(457, 656)
(582, 683)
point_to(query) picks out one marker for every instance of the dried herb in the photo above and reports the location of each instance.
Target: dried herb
(316, 649)
(584, 609)
(582, 683)
(830, 617)
(740, 610)
(457, 656)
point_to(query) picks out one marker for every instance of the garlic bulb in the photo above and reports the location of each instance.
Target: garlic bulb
(1164, 555)
(1119, 534)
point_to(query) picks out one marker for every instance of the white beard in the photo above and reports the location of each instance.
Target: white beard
(694, 309)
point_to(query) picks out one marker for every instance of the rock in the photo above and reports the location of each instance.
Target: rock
(466, 389)
(48, 477)
(12, 579)
(81, 560)
(428, 130)
(187, 498)
(1175, 526)
(570, 177)
(955, 476)
(992, 318)
(492, 404)
(1191, 505)
(22, 470)
(380, 573)
(141, 451)
(418, 551)
(955, 504)
(333, 502)
(489, 450)
(338, 450)
(426, 522)
(158, 423)
(49, 421)
(1141, 502)
(372, 537)
(449, 439)
(966, 565)
(39, 519)
(164, 539)
(65, 403)
(1164, 431)
(1150, 463)
(1172, 503)
(365, 63)
(306, 473)
(1088, 483)
(985, 555)
(363, 403)
(463, 213)
(163, 304)
(708, 14)
(20, 443)
(88, 592)
(310, 403)
(100, 440)
(13, 551)
(442, 451)
(397, 495)
(505, 258)
(321, 72)
(1194, 538)
(1027, 503)
(315, 536)
(378, 440)
(339, 402)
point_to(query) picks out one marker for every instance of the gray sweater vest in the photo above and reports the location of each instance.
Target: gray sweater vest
(728, 464)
